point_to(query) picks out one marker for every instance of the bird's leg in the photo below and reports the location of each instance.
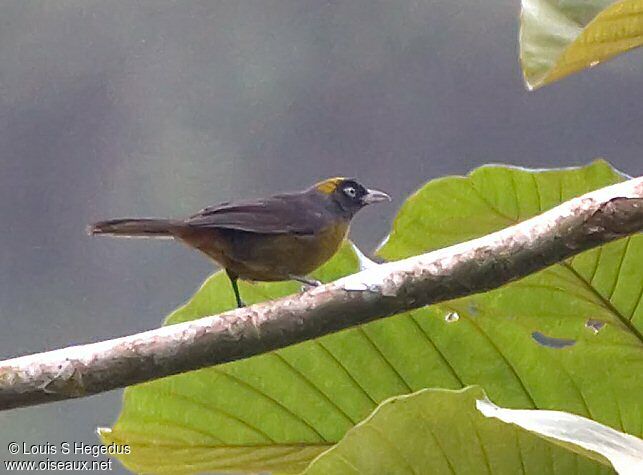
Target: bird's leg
(235, 287)
(305, 280)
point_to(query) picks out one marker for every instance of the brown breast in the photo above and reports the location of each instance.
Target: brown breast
(268, 257)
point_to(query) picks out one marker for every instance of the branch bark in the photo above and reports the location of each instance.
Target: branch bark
(467, 268)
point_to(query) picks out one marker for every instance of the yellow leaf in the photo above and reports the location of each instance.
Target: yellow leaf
(561, 38)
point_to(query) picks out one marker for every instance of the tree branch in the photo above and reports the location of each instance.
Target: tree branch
(467, 268)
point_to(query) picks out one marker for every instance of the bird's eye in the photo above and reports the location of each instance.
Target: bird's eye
(350, 191)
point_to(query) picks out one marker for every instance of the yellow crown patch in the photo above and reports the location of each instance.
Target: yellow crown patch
(329, 186)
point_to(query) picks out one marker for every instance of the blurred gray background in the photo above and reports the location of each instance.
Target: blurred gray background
(158, 108)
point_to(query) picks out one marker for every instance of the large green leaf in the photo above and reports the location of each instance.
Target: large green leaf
(440, 431)
(274, 412)
(559, 38)
(577, 433)
(591, 303)
(567, 338)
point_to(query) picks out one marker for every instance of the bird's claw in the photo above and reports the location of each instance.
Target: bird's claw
(306, 287)
(308, 283)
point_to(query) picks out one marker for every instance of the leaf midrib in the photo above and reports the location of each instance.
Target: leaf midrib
(605, 302)
(587, 285)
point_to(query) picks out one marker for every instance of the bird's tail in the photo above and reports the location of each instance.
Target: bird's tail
(128, 227)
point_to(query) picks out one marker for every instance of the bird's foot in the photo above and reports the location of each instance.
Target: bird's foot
(306, 281)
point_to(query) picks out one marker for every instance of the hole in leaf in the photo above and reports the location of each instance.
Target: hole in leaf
(451, 317)
(594, 325)
(552, 342)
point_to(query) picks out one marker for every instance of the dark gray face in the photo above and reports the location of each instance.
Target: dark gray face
(352, 196)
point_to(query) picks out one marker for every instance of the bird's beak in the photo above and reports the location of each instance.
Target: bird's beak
(375, 196)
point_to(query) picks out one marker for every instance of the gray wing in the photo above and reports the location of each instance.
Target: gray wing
(284, 214)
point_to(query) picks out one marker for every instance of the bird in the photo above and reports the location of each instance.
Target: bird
(281, 237)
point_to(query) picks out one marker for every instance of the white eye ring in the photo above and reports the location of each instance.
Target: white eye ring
(350, 191)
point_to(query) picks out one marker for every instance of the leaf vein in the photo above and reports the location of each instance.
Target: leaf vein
(348, 373)
(489, 204)
(515, 191)
(205, 407)
(618, 269)
(393, 446)
(637, 303)
(606, 303)
(505, 359)
(427, 425)
(177, 424)
(558, 289)
(485, 456)
(314, 387)
(274, 401)
(537, 188)
(362, 331)
(412, 317)
(596, 265)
